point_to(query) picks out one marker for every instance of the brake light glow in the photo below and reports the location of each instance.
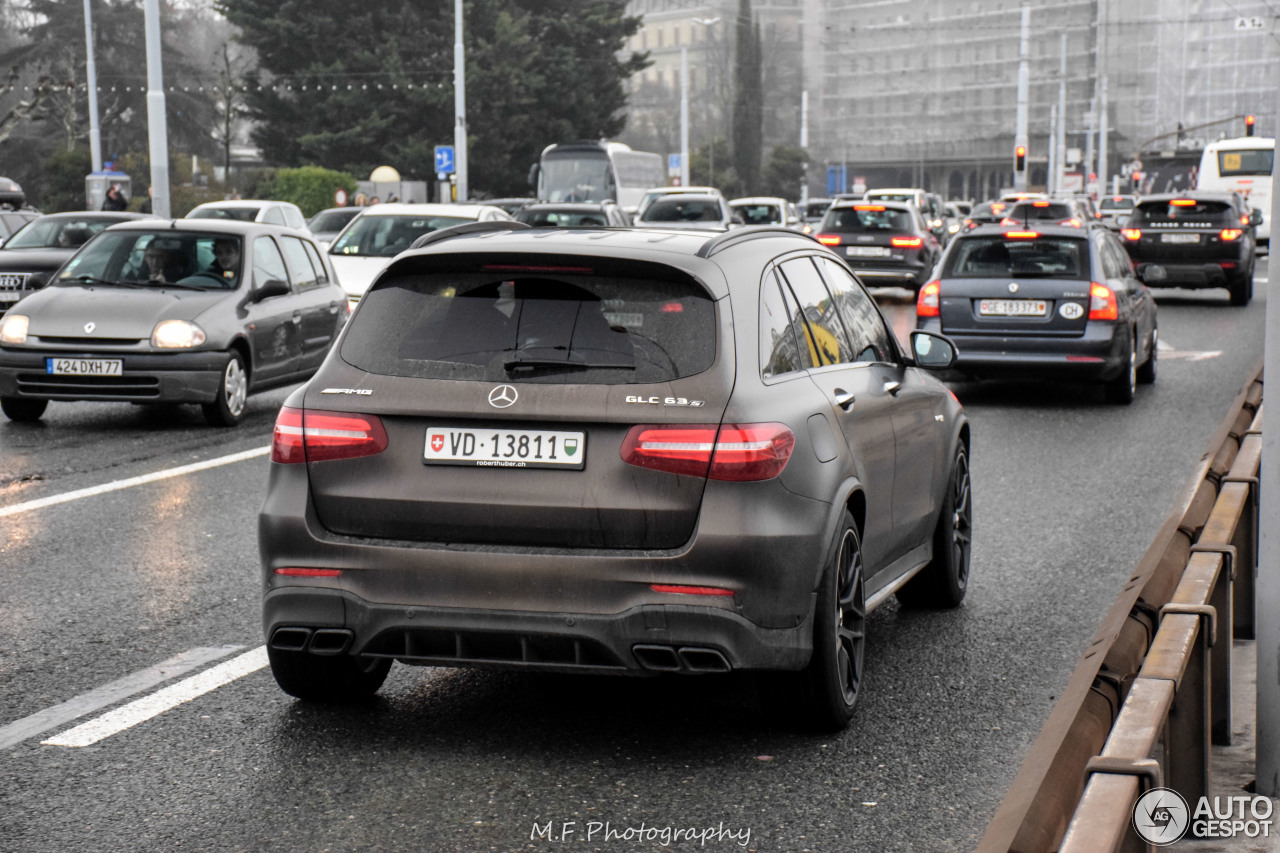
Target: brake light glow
(1230, 233)
(316, 436)
(1071, 223)
(829, 239)
(906, 242)
(868, 207)
(998, 208)
(309, 573)
(928, 303)
(1227, 265)
(1009, 220)
(672, 307)
(1183, 202)
(1039, 204)
(1102, 302)
(735, 452)
(1021, 235)
(1244, 219)
(1131, 233)
(680, 589)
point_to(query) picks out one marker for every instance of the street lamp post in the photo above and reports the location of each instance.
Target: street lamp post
(684, 101)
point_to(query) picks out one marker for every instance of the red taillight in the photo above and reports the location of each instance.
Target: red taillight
(1183, 202)
(1230, 233)
(1039, 204)
(680, 589)
(1131, 233)
(868, 207)
(829, 239)
(1227, 265)
(928, 302)
(906, 242)
(1021, 235)
(314, 436)
(1244, 220)
(1071, 223)
(1102, 303)
(998, 208)
(672, 307)
(309, 573)
(737, 452)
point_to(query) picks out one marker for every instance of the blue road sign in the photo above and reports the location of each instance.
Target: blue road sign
(444, 158)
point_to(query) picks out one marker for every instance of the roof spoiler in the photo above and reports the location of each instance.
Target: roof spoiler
(467, 228)
(751, 232)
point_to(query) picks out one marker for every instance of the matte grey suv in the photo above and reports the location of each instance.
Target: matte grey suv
(622, 451)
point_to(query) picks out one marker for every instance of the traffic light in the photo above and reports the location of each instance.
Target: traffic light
(1248, 125)
(1020, 158)
(1136, 177)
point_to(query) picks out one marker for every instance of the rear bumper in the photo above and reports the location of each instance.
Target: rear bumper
(189, 377)
(1198, 274)
(1098, 355)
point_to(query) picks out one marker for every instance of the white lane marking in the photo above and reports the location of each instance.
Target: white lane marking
(117, 485)
(109, 694)
(1167, 351)
(157, 703)
(1257, 280)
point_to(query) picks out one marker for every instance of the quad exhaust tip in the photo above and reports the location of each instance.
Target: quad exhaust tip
(320, 641)
(687, 659)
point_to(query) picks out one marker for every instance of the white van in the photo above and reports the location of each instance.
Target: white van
(1242, 165)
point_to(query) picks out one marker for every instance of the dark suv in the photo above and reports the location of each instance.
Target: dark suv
(885, 242)
(1195, 240)
(622, 451)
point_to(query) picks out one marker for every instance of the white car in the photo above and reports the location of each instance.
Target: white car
(688, 211)
(382, 231)
(650, 196)
(253, 210)
(762, 210)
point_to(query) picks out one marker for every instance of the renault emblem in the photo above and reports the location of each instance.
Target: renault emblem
(1013, 287)
(502, 396)
(89, 327)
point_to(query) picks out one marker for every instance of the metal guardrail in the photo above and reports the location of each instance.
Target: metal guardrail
(1156, 678)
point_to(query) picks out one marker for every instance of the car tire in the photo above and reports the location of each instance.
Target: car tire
(822, 696)
(944, 582)
(233, 393)
(23, 408)
(332, 680)
(1241, 289)
(1124, 387)
(1147, 370)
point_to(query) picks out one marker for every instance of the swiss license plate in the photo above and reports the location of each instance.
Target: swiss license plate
(1179, 238)
(505, 448)
(1012, 308)
(9, 295)
(867, 252)
(83, 366)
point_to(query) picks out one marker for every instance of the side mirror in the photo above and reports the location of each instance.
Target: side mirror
(1255, 217)
(932, 351)
(1151, 273)
(270, 289)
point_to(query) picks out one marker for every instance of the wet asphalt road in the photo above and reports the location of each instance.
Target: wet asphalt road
(1069, 492)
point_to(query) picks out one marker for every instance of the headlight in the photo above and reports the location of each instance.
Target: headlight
(13, 329)
(177, 334)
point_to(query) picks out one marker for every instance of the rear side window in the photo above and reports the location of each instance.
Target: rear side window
(535, 325)
(1249, 161)
(1041, 210)
(867, 218)
(1182, 211)
(304, 275)
(998, 257)
(682, 210)
(783, 335)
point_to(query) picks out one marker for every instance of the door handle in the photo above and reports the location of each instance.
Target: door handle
(892, 386)
(844, 399)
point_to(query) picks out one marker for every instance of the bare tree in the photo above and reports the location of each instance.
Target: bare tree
(229, 100)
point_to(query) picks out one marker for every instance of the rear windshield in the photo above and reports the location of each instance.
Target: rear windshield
(1031, 211)
(388, 236)
(866, 218)
(759, 214)
(678, 209)
(561, 218)
(240, 214)
(508, 325)
(1182, 211)
(332, 220)
(1249, 161)
(1116, 204)
(993, 210)
(999, 257)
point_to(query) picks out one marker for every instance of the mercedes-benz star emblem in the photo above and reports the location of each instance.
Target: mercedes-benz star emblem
(89, 327)
(1013, 287)
(502, 396)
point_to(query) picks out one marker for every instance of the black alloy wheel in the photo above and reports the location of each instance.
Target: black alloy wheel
(822, 696)
(22, 408)
(1124, 387)
(944, 582)
(330, 679)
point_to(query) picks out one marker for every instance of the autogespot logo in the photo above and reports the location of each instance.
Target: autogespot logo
(1161, 816)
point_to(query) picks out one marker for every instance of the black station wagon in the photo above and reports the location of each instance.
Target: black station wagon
(624, 451)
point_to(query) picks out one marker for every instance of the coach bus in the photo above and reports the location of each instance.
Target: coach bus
(1241, 165)
(597, 171)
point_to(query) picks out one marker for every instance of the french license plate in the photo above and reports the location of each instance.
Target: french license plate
(867, 252)
(505, 448)
(1179, 238)
(83, 366)
(1012, 308)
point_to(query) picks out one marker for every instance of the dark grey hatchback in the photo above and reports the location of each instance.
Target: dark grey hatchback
(615, 451)
(189, 311)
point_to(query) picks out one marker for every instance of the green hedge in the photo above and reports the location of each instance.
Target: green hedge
(310, 187)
